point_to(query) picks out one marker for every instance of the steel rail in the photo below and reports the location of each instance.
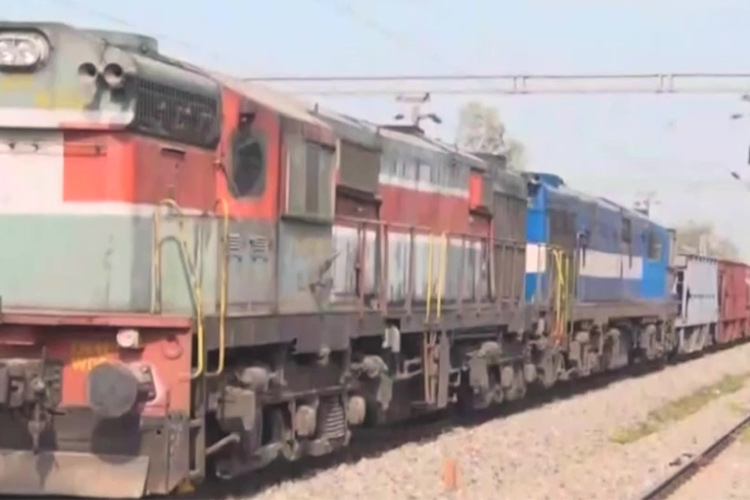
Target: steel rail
(672, 482)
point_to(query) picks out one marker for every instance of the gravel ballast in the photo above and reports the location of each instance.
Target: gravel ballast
(726, 478)
(561, 450)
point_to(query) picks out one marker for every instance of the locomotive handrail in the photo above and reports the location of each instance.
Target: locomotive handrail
(224, 283)
(558, 290)
(435, 278)
(429, 341)
(194, 283)
(442, 265)
(156, 251)
(441, 271)
(561, 267)
(428, 297)
(426, 229)
(380, 222)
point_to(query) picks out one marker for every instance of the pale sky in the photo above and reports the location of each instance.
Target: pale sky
(682, 147)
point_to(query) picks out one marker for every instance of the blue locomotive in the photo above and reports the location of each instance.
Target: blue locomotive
(602, 268)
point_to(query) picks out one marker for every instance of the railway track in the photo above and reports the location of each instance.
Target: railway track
(668, 485)
(371, 442)
(374, 441)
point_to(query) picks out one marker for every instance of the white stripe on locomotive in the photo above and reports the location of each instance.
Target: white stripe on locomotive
(597, 264)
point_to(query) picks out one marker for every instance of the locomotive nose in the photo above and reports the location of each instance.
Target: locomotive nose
(113, 390)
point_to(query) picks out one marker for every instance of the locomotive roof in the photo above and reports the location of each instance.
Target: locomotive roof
(359, 131)
(285, 104)
(434, 145)
(510, 182)
(556, 184)
(467, 157)
(411, 139)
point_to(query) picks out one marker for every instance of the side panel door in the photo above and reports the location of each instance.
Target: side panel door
(250, 186)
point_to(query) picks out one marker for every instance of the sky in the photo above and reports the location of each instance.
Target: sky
(682, 147)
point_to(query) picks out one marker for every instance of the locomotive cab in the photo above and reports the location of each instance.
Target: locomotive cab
(102, 144)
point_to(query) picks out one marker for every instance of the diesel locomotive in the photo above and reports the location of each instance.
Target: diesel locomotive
(200, 276)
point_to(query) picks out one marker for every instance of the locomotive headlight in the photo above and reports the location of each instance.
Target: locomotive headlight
(128, 338)
(22, 50)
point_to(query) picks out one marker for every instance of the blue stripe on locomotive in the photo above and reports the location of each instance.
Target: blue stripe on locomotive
(536, 238)
(610, 270)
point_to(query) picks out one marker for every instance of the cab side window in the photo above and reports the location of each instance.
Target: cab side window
(654, 246)
(248, 174)
(627, 237)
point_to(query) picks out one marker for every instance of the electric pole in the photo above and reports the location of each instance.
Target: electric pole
(417, 101)
(646, 201)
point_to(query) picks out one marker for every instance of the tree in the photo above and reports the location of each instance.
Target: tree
(516, 154)
(481, 130)
(697, 237)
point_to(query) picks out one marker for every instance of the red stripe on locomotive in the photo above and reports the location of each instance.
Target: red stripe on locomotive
(441, 213)
(122, 167)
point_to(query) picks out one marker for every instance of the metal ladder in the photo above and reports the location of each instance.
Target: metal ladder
(561, 296)
(199, 373)
(435, 342)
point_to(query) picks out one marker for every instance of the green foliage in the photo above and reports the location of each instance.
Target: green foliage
(679, 409)
(696, 236)
(480, 130)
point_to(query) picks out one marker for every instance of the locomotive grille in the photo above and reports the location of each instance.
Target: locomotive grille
(173, 113)
(333, 417)
(234, 242)
(259, 247)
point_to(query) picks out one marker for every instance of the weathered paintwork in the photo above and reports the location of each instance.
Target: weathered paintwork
(76, 438)
(700, 290)
(620, 256)
(84, 239)
(76, 206)
(69, 91)
(359, 151)
(94, 226)
(284, 240)
(734, 301)
(697, 289)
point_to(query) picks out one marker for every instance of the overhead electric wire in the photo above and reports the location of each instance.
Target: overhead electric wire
(636, 83)
(480, 76)
(117, 20)
(342, 7)
(399, 38)
(459, 83)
